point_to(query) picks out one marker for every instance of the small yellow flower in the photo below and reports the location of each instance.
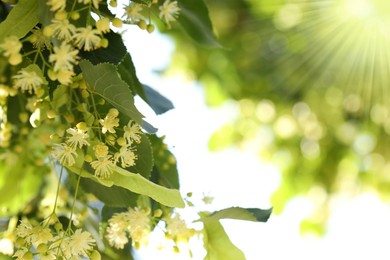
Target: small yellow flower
(81, 243)
(65, 154)
(132, 132)
(103, 25)
(78, 137)
(101, 150)
(64, 57)
(27, 81)
(132, 12)
(104, 166)
(126, 156)
(109, 122)
(56, 5)
(169, 11)
(177, 229)
(63, 29)
(87, 37)
(11, 47)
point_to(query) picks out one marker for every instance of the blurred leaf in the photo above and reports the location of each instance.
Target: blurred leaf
(165, 164)
(19, 184)
(218, 244)
(157, 102)
(110, 87)
(194, 17)
(250, 214)
(22, 18)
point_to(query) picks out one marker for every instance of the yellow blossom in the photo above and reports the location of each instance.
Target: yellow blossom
(103, 25)
(78, 137)
(104, 166)
(11, 47)
(56, 5)
(126, 156)
(65, 154)
(64, 57)
(132, 12)
(87, 37)
(101, 150)
(63, 29)
(132, 132)
(169, 11)
(109, 122)
(27, 81)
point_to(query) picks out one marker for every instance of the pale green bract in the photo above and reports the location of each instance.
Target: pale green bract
(22, 18)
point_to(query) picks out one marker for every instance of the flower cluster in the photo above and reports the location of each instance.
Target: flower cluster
(50, 243)
(135, 223)
(105, 160)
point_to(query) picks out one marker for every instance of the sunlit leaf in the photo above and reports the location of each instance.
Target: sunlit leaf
(249, 214)
(218, 244)
(22, 18)
(136, 183)
(194, 17)
(140, 185)
(105, 80)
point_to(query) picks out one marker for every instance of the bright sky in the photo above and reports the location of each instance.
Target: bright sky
(359, 228)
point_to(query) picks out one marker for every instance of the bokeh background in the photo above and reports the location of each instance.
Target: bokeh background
(291, 111)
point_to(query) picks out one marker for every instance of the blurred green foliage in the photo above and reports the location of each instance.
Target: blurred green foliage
(311, 80)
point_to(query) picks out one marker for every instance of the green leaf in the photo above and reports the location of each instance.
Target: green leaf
(250, 214)
(114, 53)
(144, 163)
(157, 102)
(136, 183)
(218, 244)
(19, 184)
(127, 71)
(113, 196)
(140, 185)
(105, 80)
(165, 164)
(22, 18)
(194, 18)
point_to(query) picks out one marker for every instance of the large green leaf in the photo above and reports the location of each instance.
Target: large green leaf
(250, 214)
(218, 244)
(194, 18)
(113, 196)
(22, 18)
(114, 52)
(127, 71)
(105, 80)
